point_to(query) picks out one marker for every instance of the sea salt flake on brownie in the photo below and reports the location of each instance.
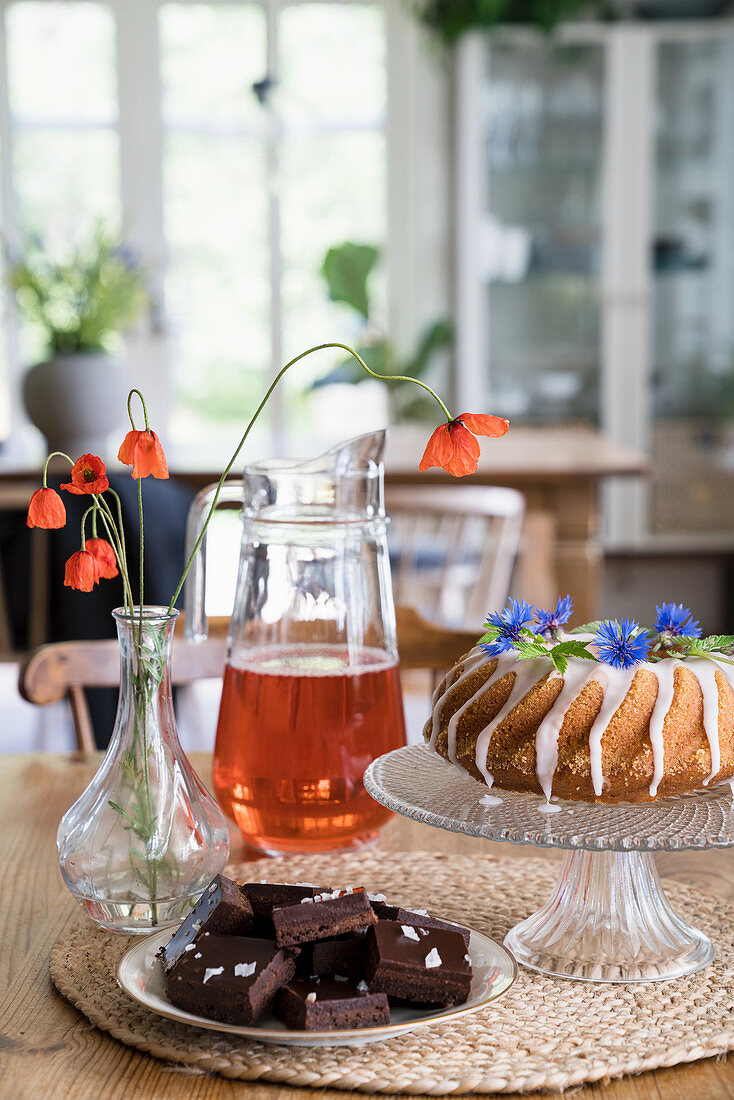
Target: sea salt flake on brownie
(212, 972)
(244, 970)
(311, 998)
(433, 958)
(409, 931)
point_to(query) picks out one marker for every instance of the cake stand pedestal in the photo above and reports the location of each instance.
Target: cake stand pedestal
(607, 919)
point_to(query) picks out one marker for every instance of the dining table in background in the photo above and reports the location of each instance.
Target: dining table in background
(559, 471)
(48, 1049)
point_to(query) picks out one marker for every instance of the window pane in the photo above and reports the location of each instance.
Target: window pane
(215, 212)
(693, 330)
(540, 238)
(332, 64)
(61, 62)
(211, 56)
(331, 97)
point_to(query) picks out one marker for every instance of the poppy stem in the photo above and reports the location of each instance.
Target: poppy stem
(53, 454)
(117, 538)
(120, 524)
(256, 414)
(141, 547)
(130, 412)
(83, 524)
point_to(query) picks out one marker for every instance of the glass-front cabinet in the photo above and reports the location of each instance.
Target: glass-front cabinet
(595, 252)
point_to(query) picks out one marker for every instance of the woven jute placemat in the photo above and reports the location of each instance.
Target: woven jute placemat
(544, 1033)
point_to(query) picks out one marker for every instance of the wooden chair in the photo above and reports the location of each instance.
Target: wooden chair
(454, 549)
(63, 669)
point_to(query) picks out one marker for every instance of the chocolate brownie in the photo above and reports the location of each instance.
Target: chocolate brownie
(385, 911)
(322, 917)
(222, 908)
(420, 965)
(266, 896)
(230, 978)
(325, 1004)
(341, 955)
(421, 919)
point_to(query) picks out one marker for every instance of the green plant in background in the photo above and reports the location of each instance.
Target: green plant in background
(346, 269)
(450, 19)
(84, 301)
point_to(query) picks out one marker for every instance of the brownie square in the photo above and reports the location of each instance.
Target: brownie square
(385, 911)
(222, 908)
(344, 955)
(266, 896)
(326, 1004)
(322, 917)
(421, 919)
(426, 966)
(229, 978)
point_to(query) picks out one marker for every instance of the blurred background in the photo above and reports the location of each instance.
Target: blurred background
(527, 205)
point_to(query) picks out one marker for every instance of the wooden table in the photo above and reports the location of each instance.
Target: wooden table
(558, 470)
(49, 1050)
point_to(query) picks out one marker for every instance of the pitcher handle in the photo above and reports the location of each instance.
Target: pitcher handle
(196, 627)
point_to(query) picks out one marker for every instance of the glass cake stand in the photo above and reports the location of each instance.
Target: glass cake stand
(607, 919)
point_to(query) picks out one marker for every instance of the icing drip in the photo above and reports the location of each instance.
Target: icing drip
(665, 672)
(505, 662)
(546, 737)
(616, 683)
(474, 660)
(705, 670)
(527, 675)
(549, 808)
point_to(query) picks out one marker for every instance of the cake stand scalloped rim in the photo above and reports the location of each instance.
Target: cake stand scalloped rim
(655, 826)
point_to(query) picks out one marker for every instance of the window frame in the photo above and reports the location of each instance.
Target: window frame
(410, 78)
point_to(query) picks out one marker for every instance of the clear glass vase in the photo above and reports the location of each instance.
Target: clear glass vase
(145, 837)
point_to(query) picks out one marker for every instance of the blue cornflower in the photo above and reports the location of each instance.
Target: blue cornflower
(675, 619)
(618, 645)
(549, 622)
(509, 622)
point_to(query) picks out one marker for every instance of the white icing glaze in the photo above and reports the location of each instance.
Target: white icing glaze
(527, 675)
(665, 672)
(705, 670)
(616, 683)
(474, 660)
(546, 737)
(505, 662)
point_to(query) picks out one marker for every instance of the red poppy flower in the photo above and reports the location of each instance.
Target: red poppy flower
(46, 509)
(81, 571)
(105, 558)
(88, 475)
(143, 451)
(454, 447)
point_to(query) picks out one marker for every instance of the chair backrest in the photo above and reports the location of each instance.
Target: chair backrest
(454, 548)
(63, 669)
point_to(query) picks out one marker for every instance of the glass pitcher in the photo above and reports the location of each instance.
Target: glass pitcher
(311, 689)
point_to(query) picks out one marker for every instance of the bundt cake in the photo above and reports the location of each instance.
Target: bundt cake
(592, 733)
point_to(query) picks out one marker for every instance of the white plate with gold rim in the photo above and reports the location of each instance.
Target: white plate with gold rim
(141, 976)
